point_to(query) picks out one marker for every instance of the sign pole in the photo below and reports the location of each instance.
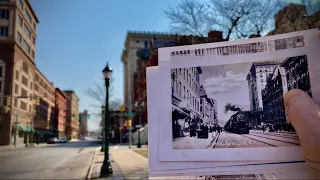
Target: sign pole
(16, 131)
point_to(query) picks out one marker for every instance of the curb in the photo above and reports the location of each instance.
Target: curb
(92, 164)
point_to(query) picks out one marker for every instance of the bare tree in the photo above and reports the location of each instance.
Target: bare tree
(236, 18)
(189, 17)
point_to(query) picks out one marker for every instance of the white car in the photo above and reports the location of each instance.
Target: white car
(62, 140)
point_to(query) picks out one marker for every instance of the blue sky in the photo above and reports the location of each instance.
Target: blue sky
(75, 39)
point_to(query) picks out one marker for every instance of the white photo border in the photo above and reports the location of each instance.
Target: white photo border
(158, 167)
(167, 153)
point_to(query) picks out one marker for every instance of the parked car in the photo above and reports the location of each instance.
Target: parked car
(53, 140)
(62, 140)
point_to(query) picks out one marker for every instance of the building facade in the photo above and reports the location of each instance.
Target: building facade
(18, 24)
(272, 97)
(60, 111)
(72, 115)
(297, 73)
(141, 51)
(83, 126)
(257, 80)
(45, 112)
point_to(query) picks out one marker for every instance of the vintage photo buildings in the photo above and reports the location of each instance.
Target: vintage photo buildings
(192, 109)
(236, 105)
(268, 82)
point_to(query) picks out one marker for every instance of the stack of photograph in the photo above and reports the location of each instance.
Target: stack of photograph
(216, 110)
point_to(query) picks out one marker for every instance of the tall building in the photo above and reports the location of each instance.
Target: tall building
(61, 108)
(83, 126)
(72, 115)
(18, 24)
(272, 97)
(141, 51)
(257, 80)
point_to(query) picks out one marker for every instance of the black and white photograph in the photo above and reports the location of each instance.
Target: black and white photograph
(236, 105)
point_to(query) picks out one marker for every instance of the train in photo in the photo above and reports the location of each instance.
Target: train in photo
(238, 123)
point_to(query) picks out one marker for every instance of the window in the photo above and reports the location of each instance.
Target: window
(3, 31)
(20, 4)
(24, 81)
(19, 37)
(23, 105)
(4, 14)
(16, 89)
(146, 44)
(1, 71)
(19, 20)
(25, 67)
(27, 31)
(0, 85)
(4, 0)
(15, 103)
(33, 40)
(24, 92)
(17, 75)
(27, 16)
(26, 46)
(32, 54)
(137, 44)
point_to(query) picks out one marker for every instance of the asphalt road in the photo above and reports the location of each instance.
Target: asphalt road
(62, 161)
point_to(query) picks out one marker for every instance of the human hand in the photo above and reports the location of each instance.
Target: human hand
(304, 116)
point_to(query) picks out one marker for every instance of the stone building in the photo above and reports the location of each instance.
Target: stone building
(272, 97)
(257, 80)
(185, 84)
(294, 18)
(72, 115)
(60, 111)
(18, 24)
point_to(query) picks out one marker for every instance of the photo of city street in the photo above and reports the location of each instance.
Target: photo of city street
(236, 105)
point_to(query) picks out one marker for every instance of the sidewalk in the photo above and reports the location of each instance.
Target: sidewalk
(125, 162)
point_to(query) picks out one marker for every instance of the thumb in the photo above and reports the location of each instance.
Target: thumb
(304, 115)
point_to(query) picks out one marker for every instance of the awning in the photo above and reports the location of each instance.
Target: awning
(179, 110)
(45, 132)
(26, 129)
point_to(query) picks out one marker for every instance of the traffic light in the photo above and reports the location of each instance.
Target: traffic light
(37, 101)
(88, 117)
(8, 102)
(122, 108)
(73, 117)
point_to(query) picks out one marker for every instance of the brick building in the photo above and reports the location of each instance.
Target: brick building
(72, 115)
(60, 111)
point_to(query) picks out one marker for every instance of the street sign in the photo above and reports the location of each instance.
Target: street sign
(16, 123)
(130, 114)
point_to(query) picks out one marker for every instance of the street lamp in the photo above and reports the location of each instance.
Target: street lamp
(106, 169)
(139, 106)
(103, 108)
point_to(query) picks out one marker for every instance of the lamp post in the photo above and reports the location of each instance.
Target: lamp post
(139, 107)
(106, 169)
(103, 108)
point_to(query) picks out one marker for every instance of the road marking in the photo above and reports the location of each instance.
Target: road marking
(116, 147)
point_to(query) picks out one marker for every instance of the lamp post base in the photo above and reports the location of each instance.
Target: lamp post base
(106, 170)
(138, 145)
